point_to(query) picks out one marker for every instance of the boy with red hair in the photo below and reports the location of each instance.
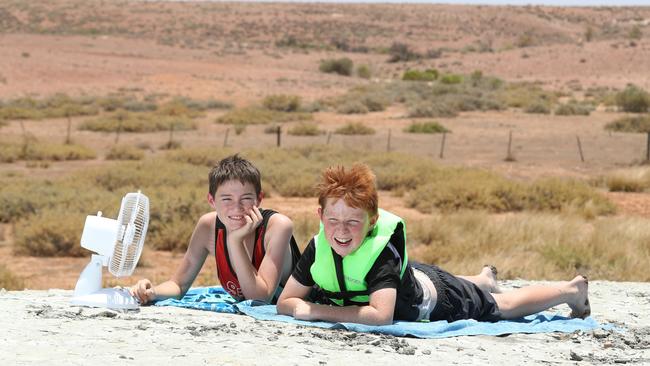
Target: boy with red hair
(359, 263)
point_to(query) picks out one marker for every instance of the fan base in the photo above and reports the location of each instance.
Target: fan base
(112, 298)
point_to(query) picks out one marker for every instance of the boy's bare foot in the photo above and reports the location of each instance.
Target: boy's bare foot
(490, 272)
(581, 308)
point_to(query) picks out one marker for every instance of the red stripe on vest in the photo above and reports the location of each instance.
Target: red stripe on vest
(227, 276)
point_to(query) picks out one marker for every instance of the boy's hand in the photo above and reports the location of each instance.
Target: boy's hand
(143, 291)
(253, 219)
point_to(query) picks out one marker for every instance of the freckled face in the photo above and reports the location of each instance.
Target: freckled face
(232, 201)
(345, 227)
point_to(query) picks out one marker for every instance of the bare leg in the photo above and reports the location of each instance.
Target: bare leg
(532, 299)
(486, 280)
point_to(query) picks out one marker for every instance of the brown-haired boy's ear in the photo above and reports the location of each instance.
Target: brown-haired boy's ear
(259, 198)
(211, 200)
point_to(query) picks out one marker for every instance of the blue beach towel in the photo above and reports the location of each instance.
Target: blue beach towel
(204, 298)
(218, 300)
(537, 323)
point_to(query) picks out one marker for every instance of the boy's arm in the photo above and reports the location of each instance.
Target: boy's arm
(261, 284)
(190, 266)
(378, 312)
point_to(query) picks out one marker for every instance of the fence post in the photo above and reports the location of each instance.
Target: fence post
(647, 150)
(509, 156)
(68, 141)
(225, 138)
(442, 145)
(279, 132)
(329, 136)
(582, 157)
(388, 143)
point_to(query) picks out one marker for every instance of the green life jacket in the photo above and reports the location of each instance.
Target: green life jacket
(342, 281)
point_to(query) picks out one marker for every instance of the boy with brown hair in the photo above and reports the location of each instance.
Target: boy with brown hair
(359, 262)
(254, 249)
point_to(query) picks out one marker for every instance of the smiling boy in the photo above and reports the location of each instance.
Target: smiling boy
(254, 249)
(359, 262)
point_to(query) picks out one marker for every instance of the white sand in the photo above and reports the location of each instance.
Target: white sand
(40, 327)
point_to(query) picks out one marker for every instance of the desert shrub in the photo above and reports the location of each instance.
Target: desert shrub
(573, 109)
(364, 72)
(432, 110)
(56, 106)
(50, 233)
(418, 75)
(352, 107)
(170, 145)
(539, 245)
(272, 129)
(355, 128)
(525, 39)
(522, 95)
(305, 129)
(253, 115)
(139, 122)
(201, 105)
(10, 281)
(124, 152)
(633, 99)
(555, 194)
(198, 156)
(637, 124)
(426, 127)
(401, 52)
(635, 33)
(631, 180)
(538, 108)
(451, 79)
(342, 66)
(473, 189)
(282, 102)
(36, 150)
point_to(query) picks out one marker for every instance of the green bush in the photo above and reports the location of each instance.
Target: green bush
(418, 75)
(253, 115)
(305, 129)
(364, 72)
(633, 99)
(341, 66)
(124, 152)
(352, 107)
(573, 109)
(638, 124)
(425, 127)
(282, 102)
(538, 108)
(36, 150)
(451, 79)
(141, 121)
(355, 128)
(50, 233)
(401, 52)
(432, 110)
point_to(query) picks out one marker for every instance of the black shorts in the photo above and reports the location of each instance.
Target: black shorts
(458, 298)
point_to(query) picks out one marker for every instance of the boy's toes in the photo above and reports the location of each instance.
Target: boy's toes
(492, 268)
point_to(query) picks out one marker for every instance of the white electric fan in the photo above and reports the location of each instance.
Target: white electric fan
(118, 244)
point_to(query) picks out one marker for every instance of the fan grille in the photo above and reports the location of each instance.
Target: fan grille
(133, 221)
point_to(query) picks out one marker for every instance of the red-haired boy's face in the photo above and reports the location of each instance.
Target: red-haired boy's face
(232, 201)
(345, 227)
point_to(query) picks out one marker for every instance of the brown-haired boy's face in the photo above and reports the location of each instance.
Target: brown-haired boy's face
(232, 201)
(345, 227)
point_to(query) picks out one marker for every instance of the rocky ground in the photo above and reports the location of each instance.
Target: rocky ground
(41, 326)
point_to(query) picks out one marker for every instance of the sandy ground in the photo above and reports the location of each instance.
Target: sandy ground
(41, 326)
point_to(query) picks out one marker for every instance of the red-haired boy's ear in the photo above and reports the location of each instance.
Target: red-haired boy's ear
(320, 212)
(373, 220)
